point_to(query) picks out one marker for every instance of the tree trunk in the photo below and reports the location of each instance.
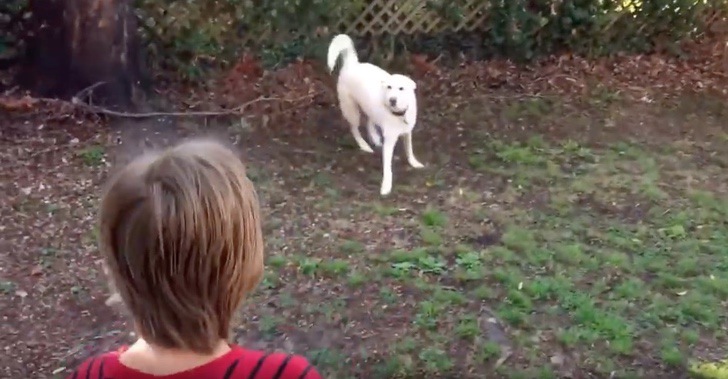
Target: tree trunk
(73, 45)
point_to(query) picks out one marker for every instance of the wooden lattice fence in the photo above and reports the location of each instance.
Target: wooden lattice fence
(392, 17)
(396, 17)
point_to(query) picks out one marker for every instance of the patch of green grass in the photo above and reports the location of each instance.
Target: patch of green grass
(433, 218)
(467, 327)
(349, 247)
(323, 180)
(334, 267)
(428, 315)
(268, 326)
(387, 295)
(7, 287)
(93, 156)
(601, 96)
(309, 266)
(430, 237)
(329, 360)
(482, 293)
(672, 356)
(601, 250)
(469, 265)
(436, 360)
(277, 261)
(270, 280)
(384, 210)
(405, 263)
(395, 366)
(255, 174)
(530, 108)
(357, 279)
(489, 351)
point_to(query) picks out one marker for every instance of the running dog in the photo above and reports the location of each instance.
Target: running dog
(388, 101)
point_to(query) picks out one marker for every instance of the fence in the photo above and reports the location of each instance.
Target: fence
(395, 17)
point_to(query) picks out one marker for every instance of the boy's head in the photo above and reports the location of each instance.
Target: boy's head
(181, 235)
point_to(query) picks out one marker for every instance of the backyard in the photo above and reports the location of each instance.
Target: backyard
(561, 228)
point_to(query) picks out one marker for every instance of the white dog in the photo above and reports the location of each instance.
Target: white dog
(388, 101)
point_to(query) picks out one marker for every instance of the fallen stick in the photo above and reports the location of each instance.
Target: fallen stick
(76, 102)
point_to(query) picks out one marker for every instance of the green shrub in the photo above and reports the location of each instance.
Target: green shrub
(192, 36)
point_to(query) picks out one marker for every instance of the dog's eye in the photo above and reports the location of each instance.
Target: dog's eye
(401, 88)
(389, 87)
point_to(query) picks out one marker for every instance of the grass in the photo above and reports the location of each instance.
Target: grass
(581, 258)
(566, 250)
(92, 156)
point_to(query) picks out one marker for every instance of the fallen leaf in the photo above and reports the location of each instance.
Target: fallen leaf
(22, 104)
(58, 370)
(504, 357)
(557, 360)
(113, 300)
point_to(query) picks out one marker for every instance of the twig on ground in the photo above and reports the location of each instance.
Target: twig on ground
(237, 111)
(293, 149)
(77, 103)
(11, 91)
(86, 91)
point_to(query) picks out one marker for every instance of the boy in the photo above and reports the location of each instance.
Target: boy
(181, 239)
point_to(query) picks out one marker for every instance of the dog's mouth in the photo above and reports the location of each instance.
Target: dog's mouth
(398, 113)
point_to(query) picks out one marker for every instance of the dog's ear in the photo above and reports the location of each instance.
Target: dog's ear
(412, 83)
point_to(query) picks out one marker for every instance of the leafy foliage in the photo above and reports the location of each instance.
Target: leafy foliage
(526, 29)
(193, 36)
(11, 12)
(198, 34)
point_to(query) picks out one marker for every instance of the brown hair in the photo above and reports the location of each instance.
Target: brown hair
(181, 235)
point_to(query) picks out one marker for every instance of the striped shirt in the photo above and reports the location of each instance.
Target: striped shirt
(238, 363)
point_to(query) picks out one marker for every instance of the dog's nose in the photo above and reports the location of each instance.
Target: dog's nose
(392, 101)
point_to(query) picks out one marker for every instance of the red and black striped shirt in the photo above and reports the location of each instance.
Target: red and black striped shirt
(238, 363)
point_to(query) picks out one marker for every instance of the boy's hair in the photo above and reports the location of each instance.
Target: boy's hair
(181, 235)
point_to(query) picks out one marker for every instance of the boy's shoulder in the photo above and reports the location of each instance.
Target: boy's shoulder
(239, 363)
(94, 367)
(261, 364)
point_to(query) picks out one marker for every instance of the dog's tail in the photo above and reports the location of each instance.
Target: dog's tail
(341, 44)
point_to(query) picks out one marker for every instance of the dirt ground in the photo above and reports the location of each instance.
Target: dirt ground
(557, 231)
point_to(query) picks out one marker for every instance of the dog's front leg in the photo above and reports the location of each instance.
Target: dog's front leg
(363, 145)
(387, 153)
(374, 135)
(410, 151)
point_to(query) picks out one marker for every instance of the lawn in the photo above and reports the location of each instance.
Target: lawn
(530, 257)
(547, 237)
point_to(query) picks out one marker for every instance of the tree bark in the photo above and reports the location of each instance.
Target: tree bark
(75, 44)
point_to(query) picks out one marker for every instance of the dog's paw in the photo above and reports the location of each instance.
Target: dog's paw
(375, 138)
(386, 189)
(113, 300)
(366, 148)
(416, 164)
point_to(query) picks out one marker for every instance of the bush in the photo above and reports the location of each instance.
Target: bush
(193, 36)
(204, 34)
(11, 18)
